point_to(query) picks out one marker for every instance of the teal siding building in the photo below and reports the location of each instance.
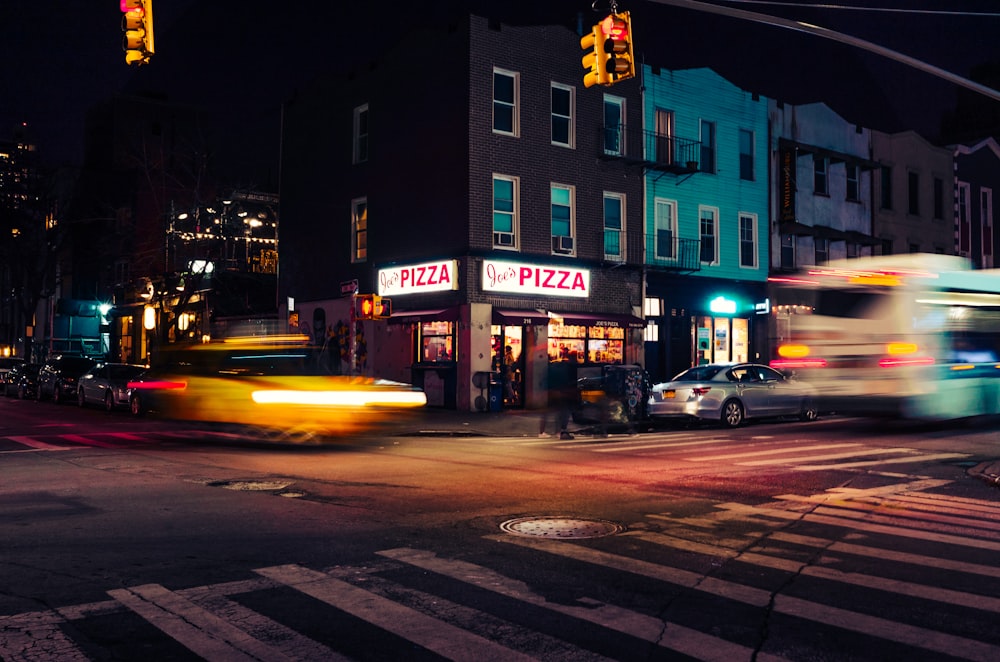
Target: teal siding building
(706, 220)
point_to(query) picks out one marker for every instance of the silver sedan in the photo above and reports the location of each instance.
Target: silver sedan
(107, 384)
(732, 393)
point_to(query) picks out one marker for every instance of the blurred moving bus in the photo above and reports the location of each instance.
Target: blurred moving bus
(910, 336)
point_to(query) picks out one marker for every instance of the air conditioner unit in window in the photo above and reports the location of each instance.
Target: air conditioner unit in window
(562, 244)
(503, 238)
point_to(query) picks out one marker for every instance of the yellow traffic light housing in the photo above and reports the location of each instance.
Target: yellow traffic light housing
(383, 308)
(618, 46)
(596, 60)
(137, 31)
(365, 307)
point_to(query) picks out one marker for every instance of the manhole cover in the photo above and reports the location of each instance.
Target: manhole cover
(251, 485)
(560, 527)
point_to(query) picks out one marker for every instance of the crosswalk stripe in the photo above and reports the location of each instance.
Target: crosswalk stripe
(86, 441)
(842, 618)
(437, 636)
(982, 602)
(31, 442)
(793, 449)
(898, 460)
(829, 456)
(647, 628)
(885, 554)
(34, 636)
(197, 629)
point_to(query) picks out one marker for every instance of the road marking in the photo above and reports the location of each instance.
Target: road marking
(985, 603)
(440, 637)
(197, 629)
(31, 442)
(898, 460)
(86, 441)
(779, 451)
(647, 628)
(804, 609)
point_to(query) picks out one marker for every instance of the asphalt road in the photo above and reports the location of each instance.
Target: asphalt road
(134, 539)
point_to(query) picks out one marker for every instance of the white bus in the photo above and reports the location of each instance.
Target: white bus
(911, 336)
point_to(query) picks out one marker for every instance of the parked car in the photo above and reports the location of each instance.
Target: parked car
(615, 398)
(21, 381)
(731, 393)
(58, 376)
(6, 363)
(107, 384)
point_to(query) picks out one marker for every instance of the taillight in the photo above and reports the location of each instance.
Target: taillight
(700, 390)
(894, 362)
(791, 364)
(165, 385)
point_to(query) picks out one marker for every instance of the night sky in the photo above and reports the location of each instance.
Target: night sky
(62, 57)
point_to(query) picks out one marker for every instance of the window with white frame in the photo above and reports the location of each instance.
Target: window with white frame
(748, 239)
(360, 149)
(707, 146)
(562, 219)
(563, 102)
(664, 136)
(665, 222)
(614, 226)
(505, 212)
(708, 223)
(820, 186)
(614, 125)
(505, 102)
(746, 154)
(359, 230)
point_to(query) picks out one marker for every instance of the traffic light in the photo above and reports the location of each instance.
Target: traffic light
(383, 308)
(596, 60)
(137, 30)
(618, 46)
(364, 307)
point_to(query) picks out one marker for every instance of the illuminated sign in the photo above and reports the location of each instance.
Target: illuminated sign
(722, 305)
(545, 280)
(411, 279)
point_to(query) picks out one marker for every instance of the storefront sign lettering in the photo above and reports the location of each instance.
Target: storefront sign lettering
(535, 279)
(428, 277)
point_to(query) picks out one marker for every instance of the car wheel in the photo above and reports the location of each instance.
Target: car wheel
(809, 411)
(732, 413)
(135, 405)
(81, 399)
(109, 402)
(20, 393)
(57, 394)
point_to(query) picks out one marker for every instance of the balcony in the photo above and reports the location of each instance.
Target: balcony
(660, 251)
(670, 154)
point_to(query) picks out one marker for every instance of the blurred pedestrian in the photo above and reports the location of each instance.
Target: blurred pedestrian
(562, 396)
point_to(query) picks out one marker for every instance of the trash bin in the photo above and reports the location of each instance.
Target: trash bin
(496, 396)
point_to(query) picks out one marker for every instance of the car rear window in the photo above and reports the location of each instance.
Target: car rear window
(699, 374)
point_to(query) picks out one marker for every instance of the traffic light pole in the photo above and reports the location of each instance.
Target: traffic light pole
(353, 351)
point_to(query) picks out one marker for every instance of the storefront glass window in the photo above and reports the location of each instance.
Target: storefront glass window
(586, 344)
(437, 341)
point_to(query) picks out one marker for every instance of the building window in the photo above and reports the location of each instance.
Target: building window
(787, 251)
(436, 342)
(563, 129)
(746, 155)
(708, 223)
(359, 230)
(505, 102)
(938, 198)
(852, 249)
(886, 186)
(614, 226)
(853, 186)
(707, 146)
(819, 176)
(594, 345)
(614, 125)
(822, 246)
(666, 228)
(885, 246)
(986, 215)
(748, 240)
(913, 193)
(562, 219)
(664, 136)
(360, 134)
(505, 216)
(962, 209)
(122, 275)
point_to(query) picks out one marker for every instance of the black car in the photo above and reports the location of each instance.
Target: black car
(21, 380)
(59, 375)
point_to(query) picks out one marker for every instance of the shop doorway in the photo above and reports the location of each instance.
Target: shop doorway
(507, 363)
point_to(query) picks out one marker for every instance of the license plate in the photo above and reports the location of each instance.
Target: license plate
(668, 394)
